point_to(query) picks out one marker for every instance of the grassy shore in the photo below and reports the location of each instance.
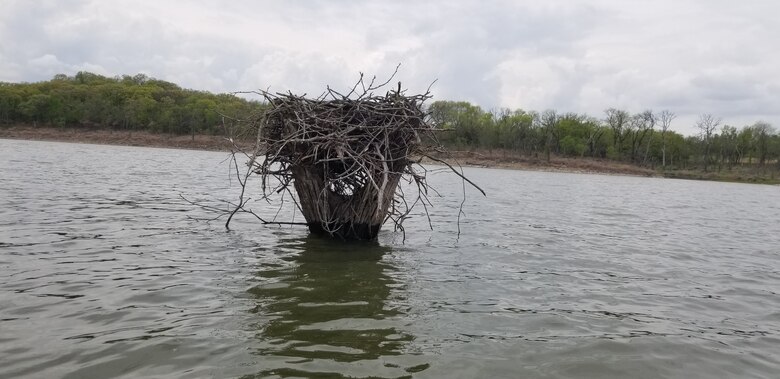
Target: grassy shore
(509, 160)
(497, 159)
(734, 175)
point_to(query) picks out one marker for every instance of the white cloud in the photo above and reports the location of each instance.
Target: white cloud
(583, 56)
(45, 62)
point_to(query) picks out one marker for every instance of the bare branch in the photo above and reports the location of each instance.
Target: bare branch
(340, 158)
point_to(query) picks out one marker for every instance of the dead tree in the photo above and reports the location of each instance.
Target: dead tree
(665, 117)
(707, 124)
(344, 158)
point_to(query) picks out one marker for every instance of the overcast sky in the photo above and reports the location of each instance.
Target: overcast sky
(691, 57)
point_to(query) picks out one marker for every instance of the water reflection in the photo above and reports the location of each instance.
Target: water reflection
(328, 308)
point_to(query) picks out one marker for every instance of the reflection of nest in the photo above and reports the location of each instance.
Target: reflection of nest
(343, 281)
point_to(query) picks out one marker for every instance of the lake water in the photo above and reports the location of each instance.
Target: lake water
(107, 273)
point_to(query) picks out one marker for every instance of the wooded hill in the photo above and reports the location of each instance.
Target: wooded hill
(126, 103)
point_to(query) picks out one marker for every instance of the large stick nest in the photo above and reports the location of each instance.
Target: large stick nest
(347, 156)
(351, 140)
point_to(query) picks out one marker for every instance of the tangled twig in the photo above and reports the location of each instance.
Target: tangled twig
(345, 157)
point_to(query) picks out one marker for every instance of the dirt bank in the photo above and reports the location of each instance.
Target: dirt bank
(486, 158)
(113, 137)
(500, 159)
(218, 143)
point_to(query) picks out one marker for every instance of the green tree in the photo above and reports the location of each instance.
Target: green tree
(36, 108)
(617, 120)
(762, 132)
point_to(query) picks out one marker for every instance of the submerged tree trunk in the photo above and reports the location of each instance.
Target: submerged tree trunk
(663, 155)
(344, 156)
(357, 214)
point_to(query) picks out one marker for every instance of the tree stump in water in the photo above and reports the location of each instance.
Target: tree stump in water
(346, 213)
(346, 157)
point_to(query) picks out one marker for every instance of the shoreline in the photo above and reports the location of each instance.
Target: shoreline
(485, 159)
(503, 160)
(116, 138)
(218, 143)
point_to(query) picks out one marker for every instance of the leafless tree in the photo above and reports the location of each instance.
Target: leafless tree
(617, 120)
(707, 125)
(594, 134)
(641, 125)
(665, 119)
(547, 121)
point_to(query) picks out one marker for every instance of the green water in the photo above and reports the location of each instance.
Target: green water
(107, 274)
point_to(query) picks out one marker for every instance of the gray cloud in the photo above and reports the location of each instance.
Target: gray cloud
(687, 56)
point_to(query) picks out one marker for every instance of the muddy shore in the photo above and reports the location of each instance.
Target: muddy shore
(489, 159)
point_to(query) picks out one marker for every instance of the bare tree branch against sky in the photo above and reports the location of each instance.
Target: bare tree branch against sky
(689, 57)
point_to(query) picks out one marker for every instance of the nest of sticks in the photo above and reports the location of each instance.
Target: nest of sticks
(347, 157)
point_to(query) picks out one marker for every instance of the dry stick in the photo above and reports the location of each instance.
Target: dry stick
(241, 196)
(360, 81)
(370, 88)
(205, 207)
(460, 209)
(242, 201)
(281, 205)
(456, 172)
(462, 202)
(357, 145)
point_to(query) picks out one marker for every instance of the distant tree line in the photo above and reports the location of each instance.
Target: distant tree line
(126, 103)
(643, 138)
(143, 103)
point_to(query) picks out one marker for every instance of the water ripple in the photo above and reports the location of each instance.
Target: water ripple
(106, 274)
